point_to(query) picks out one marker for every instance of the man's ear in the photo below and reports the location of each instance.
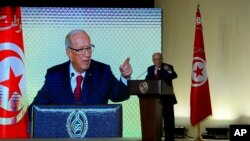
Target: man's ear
(69, 54)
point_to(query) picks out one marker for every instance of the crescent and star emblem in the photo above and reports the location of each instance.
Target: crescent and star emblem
(12, 84)
(199, 73)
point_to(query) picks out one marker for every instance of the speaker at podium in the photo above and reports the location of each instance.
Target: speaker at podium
(154, 95)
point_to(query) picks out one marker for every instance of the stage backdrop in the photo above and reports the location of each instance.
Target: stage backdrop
(116, 33)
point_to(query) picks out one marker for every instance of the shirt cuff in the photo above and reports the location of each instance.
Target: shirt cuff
(124, 80)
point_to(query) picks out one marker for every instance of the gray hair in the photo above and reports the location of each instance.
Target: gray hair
(71, 33)
(156, 53)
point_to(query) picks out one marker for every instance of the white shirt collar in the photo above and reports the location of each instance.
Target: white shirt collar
(156, 68)
(73, 71)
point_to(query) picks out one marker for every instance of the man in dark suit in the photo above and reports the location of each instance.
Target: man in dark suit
(82, 80)
(165, 72)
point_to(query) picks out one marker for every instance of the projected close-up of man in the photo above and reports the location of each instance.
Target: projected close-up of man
(82, 80)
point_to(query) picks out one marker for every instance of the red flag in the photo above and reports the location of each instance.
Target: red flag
(13, 94)
(200, 96)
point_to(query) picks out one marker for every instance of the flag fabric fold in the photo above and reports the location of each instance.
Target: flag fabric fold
(200, 103)
(13, 94)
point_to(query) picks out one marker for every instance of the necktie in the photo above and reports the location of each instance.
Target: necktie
(78, 91)
(157, 75)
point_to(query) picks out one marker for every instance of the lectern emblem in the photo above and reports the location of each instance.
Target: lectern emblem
(143, 87)
(77, 124)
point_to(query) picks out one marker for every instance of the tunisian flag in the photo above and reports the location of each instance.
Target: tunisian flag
(13, 94)
(200, 96)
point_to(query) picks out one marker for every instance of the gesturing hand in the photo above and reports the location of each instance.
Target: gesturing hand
(126, 69)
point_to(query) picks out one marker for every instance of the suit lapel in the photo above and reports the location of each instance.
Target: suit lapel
(153, 72)
(86, 88)
(67, 85)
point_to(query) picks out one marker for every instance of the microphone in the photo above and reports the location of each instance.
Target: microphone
(141, 75)
(71, 75)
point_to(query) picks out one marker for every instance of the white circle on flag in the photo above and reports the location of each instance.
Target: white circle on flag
(13, 101)
(199, 73)
(198, 20)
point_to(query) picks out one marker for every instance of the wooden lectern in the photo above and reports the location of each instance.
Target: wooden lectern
(151, 94)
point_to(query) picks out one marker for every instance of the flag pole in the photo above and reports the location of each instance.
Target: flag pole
(198, 5)
(198, 134)
(200, 101)
(198, 138)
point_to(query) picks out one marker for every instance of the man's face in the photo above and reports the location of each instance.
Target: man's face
(80, 52)
(157, 60)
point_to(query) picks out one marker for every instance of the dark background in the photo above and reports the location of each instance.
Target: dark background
(80, 3)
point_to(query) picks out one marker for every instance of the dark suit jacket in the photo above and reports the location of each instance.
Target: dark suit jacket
(99, 86)
(164, 74)
(166, 77)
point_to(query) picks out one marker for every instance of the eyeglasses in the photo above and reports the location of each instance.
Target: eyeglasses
(155, 59)
(83, 50)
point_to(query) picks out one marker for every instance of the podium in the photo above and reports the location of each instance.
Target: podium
(77, 121)
(153, 95)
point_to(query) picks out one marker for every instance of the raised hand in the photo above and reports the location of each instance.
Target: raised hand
(126, 69)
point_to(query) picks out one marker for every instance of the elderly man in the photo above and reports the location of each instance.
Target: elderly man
(82, 80)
